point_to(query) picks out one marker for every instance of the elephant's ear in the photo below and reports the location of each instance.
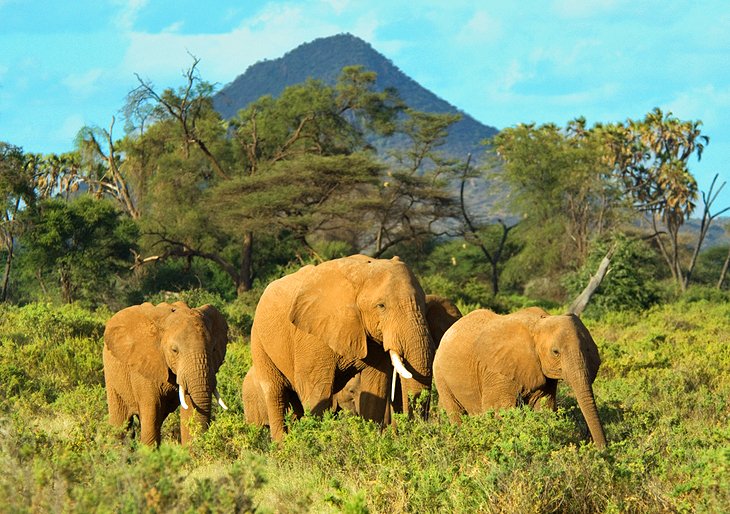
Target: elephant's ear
(513, 351)
(218, 329)
(325, 306)
(134, 339)
(441, 313)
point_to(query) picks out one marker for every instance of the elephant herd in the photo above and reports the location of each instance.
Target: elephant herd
(353, 333)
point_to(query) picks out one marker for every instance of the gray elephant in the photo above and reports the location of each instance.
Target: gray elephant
(159, 357)
(317, 328)
(490, 361)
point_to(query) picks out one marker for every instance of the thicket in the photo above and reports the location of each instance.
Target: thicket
(662, 393)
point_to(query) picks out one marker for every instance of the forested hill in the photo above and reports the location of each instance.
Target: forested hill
(323, 59)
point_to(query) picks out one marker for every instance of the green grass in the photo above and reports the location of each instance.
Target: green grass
(663, 392)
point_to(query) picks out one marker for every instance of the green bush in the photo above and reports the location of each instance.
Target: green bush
(629, 283)
(50, 323)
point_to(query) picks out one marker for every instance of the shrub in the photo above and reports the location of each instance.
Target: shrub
(629, 284)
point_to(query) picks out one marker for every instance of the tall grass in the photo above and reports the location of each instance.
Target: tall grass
(662, 391)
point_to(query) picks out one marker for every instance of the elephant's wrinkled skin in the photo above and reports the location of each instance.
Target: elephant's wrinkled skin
(157, 357)
(318, 327)
(488, 361)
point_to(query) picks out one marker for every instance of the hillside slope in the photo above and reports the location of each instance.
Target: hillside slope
(323, 59)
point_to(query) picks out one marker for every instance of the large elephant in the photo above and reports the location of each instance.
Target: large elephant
(315, 329)
(441, 313)
(491, 361)
(159, 357)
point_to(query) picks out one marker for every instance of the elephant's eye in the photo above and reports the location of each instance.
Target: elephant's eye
(380, 306)
(556, 352)
(174, 349)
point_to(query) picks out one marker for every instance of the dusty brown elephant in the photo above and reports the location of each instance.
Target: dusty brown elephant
(315, 329)
(254, 406)
(159, 357)
(441, 313)
(489, 361)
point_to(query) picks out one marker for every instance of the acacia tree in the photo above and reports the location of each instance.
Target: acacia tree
(493, 248)
(197, 165)
(413, 196)
(651, 157)
(103, 169)
(85, 242)
(563, 190)
(16, 190)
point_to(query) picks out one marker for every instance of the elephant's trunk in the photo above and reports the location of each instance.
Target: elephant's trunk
(198, 385)
(579, 381)
(415, 347)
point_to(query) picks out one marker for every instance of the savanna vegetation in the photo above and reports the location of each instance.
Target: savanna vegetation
(186, 205)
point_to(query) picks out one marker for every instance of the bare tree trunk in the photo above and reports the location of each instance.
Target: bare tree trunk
(8, 265)
(581, 301)
(723, 273)
(245, 279)
(42, 284)
(707, 219)
(492, 257)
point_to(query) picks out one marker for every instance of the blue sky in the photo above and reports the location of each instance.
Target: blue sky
(66, 64)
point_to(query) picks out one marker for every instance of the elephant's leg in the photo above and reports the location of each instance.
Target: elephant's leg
(316, 395)
(374, 389)
(119, 414)
(275, 396)
(448, 402)
(186, 418)
(498, 392)
(150, 421)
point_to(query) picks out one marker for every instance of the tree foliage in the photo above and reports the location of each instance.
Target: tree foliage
(85, 242)
(562, 189)
(651, 157)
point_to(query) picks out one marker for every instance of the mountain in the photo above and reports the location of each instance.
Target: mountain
(323, 59)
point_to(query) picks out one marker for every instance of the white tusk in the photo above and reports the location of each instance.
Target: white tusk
(181, 390)
(220, 400)
(398, 365)
(392, 388)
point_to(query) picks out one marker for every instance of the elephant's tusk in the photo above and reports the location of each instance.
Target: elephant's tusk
(398, 365)
(392, 388)
(220, 400)
(181, 390)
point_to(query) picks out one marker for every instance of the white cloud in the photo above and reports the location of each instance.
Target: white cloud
(85, 83)
(129, 9)
(68, 129)
(174, 27)
(338, 6)
(706, 103)
(512, 76)
(481, 28)
(267, 35)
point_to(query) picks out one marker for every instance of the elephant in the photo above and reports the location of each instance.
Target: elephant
(318, 327)
(254, 406)
(491, 361)
(157, 357)
(441, 313)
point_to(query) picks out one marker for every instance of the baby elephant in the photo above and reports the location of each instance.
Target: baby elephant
(491, 361)
(159, 357)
